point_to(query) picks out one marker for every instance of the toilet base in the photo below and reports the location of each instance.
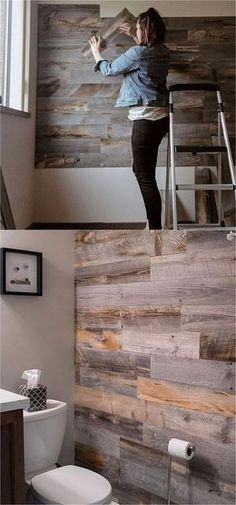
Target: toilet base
(31, 499)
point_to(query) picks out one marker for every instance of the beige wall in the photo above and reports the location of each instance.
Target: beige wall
(38, 332)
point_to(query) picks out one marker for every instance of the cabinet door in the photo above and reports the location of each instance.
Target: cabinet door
(12, 458)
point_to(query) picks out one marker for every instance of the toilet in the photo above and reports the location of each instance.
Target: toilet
(67, 485)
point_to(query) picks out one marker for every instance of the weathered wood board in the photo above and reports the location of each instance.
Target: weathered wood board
(201, 49)
(154, 361)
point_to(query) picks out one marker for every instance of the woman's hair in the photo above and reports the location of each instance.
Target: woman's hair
(152, 27)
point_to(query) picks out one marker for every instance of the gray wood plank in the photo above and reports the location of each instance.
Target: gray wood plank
(207, 318)
(186, 488)
(181, 266)
(209, 458)
(175, 344)
(211, 374)
(196, 291)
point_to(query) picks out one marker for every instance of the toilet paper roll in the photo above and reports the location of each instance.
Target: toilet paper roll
(181, 448)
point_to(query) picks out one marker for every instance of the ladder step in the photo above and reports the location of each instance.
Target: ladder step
(209, 187)
(195, 86)
(199, 149)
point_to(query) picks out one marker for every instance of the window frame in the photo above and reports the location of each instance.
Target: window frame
(23, 109)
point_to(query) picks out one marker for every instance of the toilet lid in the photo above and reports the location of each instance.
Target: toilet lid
(71, 484)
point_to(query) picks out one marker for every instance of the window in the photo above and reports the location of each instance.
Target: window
(14, 53)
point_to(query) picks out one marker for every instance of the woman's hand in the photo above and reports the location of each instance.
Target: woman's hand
(96, 44)
(128, 28)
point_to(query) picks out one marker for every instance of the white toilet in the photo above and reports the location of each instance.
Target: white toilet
(67, 485)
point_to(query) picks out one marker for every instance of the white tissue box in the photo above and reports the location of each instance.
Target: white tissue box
(37, 397)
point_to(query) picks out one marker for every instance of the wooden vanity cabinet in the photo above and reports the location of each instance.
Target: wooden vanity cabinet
(12, 458)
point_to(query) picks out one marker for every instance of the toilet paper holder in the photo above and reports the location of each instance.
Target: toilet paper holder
(180, 449)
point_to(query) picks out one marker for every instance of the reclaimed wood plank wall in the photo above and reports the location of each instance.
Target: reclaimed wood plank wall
(77, 124)
(154, 359)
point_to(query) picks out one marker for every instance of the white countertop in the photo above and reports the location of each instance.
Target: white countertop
(12, 401)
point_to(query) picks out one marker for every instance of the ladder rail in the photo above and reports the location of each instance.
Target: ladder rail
(172, 162)
(222, 132)
(166, 216)
(226, 137)
(219, 173)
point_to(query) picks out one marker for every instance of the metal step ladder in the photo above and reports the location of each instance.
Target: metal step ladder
(218, 150)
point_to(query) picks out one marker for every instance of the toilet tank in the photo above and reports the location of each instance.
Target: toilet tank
(43, 436)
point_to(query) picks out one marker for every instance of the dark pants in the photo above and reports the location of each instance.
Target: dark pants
(146, 138)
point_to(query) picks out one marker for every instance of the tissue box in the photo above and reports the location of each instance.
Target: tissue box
(37, 397)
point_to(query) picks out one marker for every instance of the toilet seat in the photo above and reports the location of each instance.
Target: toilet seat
(72, 485)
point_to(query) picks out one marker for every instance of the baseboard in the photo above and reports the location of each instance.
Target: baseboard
(87, 226)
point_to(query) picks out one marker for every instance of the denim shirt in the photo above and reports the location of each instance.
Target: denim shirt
(144, 71)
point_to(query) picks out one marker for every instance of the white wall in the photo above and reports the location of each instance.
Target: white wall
(101, 195)
(38, 331)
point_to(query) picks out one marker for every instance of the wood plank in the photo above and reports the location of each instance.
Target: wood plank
(108, 423)
(87, 397)
(126, 493)
(111, 403)
(210, 427)
(211, 374)
(113, 255)
(202, 202)
(112, 29)
(212, 459)
(130, 363)
(98, 439)
(170, 242)
(162, 322)
(177, 266)
(191, 397)
(203, 243)
(218, 346)
(208, 318)
(195, 291)
(175, 344)
(96, 460)
(143, 314)
(123, 384)
(110, 244)
(106, 339)
(138, 464)
(103, 272)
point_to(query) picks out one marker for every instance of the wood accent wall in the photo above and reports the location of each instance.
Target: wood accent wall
(77, 124)
(154, 359)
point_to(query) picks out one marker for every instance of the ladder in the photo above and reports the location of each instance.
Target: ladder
(218, 150)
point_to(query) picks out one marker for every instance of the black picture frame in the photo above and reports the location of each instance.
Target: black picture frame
(21, 272)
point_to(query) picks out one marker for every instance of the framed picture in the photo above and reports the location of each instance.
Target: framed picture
(21, 272)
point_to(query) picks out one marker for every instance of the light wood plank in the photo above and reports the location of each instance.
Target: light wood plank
(193, 398)
(175, 344)
(170, 242)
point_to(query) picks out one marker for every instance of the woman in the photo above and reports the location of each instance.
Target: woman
(144, 68)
